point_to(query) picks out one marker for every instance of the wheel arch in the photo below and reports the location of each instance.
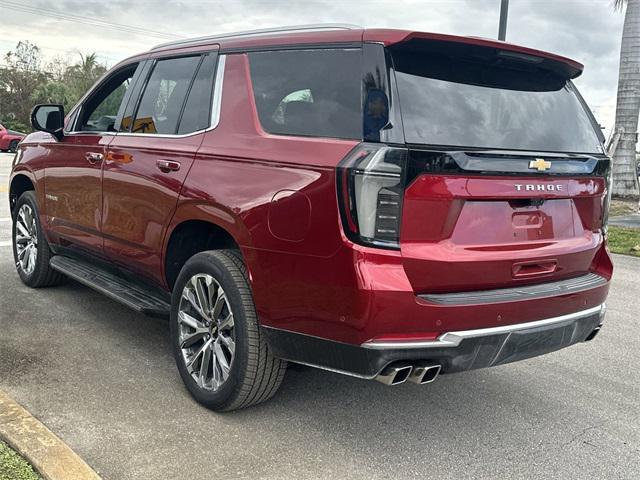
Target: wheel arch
(197, 228)
(20, 183)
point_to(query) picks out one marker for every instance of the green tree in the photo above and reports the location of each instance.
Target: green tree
(54, 91)
(24, 83)
(18, 80)
(81, 76)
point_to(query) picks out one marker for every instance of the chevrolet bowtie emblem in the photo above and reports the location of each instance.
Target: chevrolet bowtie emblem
(540, 164)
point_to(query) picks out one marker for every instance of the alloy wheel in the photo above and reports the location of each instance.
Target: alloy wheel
(206, 332)
(26, 239)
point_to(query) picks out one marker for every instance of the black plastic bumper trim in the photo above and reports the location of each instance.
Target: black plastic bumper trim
(514, 294)
(489, 347)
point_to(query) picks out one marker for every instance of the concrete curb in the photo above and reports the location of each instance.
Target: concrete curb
(49, 455)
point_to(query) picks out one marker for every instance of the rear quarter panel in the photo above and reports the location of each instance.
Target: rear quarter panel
(275, 195)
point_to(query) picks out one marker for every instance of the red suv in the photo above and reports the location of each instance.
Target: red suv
(9, 139)
(386, 204)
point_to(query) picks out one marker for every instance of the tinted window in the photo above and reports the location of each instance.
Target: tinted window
(126, 112)
(309, 92)
(100, 110)
(446, 101)
(164, 96)
(197, 111)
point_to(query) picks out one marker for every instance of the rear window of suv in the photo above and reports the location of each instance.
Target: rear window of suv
(309, 92)
(489, 104)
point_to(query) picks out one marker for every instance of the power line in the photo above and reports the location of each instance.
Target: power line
(87, 20)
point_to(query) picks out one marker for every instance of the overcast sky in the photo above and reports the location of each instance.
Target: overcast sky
(586, 30)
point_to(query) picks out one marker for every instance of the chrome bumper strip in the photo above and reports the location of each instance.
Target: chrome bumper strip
(453, 339)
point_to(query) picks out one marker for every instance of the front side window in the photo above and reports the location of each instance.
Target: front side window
(309, 92)
(99, 112)
(164, 95)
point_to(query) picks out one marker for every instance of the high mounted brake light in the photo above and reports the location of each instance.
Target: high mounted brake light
(371, 181)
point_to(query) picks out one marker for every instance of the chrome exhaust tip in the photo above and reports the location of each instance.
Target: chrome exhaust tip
(395, 374)
(593, 334)
(425, 373)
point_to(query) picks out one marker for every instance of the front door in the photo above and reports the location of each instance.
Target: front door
(73, 175)
(149, 159)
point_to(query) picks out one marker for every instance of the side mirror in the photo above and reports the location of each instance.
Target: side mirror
(48, 118)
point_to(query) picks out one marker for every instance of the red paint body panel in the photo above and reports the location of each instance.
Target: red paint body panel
(466, 233)
(362, 293)
(385, 36)
(276, 196)
(139, 198)
(73, 190)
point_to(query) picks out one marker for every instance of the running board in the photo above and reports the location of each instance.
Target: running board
(113, 286)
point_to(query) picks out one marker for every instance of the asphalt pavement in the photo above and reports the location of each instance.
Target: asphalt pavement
(5, 224)
(628, 221)
(103, 379)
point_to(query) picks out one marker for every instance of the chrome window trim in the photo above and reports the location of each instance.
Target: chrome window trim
(453, 339)
(216, 109)
(85, 132)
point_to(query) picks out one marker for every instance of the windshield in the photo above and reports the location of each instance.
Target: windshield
(447, 101)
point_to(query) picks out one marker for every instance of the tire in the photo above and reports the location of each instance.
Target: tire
(13, 146)
(253, 374)
(35, 271)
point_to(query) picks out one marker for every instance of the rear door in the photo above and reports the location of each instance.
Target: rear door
(149, 159)
(73, 183)
(506, 176)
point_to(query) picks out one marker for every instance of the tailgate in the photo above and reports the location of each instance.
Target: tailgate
(471, 231)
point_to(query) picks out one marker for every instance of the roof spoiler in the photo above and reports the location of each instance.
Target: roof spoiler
(559, 65)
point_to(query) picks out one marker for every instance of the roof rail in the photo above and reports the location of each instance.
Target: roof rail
(263, 31)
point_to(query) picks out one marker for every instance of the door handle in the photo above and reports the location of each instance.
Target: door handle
(168, 165)
(93, 157)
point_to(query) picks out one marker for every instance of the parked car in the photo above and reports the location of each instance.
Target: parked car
(9, 139)
(385, 204)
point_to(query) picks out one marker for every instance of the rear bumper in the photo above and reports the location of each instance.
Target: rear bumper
(456, 351)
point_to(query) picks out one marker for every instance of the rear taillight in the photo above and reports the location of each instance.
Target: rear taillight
(371, 181)
(606, 201)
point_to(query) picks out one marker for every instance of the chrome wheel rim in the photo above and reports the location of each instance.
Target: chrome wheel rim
(206, 333)
(26, 240)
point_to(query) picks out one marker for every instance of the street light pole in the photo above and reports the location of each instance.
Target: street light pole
(504, 10)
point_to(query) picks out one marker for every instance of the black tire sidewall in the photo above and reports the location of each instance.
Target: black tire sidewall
(29, 198)
(208, 263)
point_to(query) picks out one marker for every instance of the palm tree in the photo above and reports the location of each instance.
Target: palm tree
(625, 180)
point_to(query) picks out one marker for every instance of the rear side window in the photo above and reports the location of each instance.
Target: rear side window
(309, 92)
(164, 95)
(197, 111)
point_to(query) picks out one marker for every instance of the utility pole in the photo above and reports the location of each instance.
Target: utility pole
(504, 11)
